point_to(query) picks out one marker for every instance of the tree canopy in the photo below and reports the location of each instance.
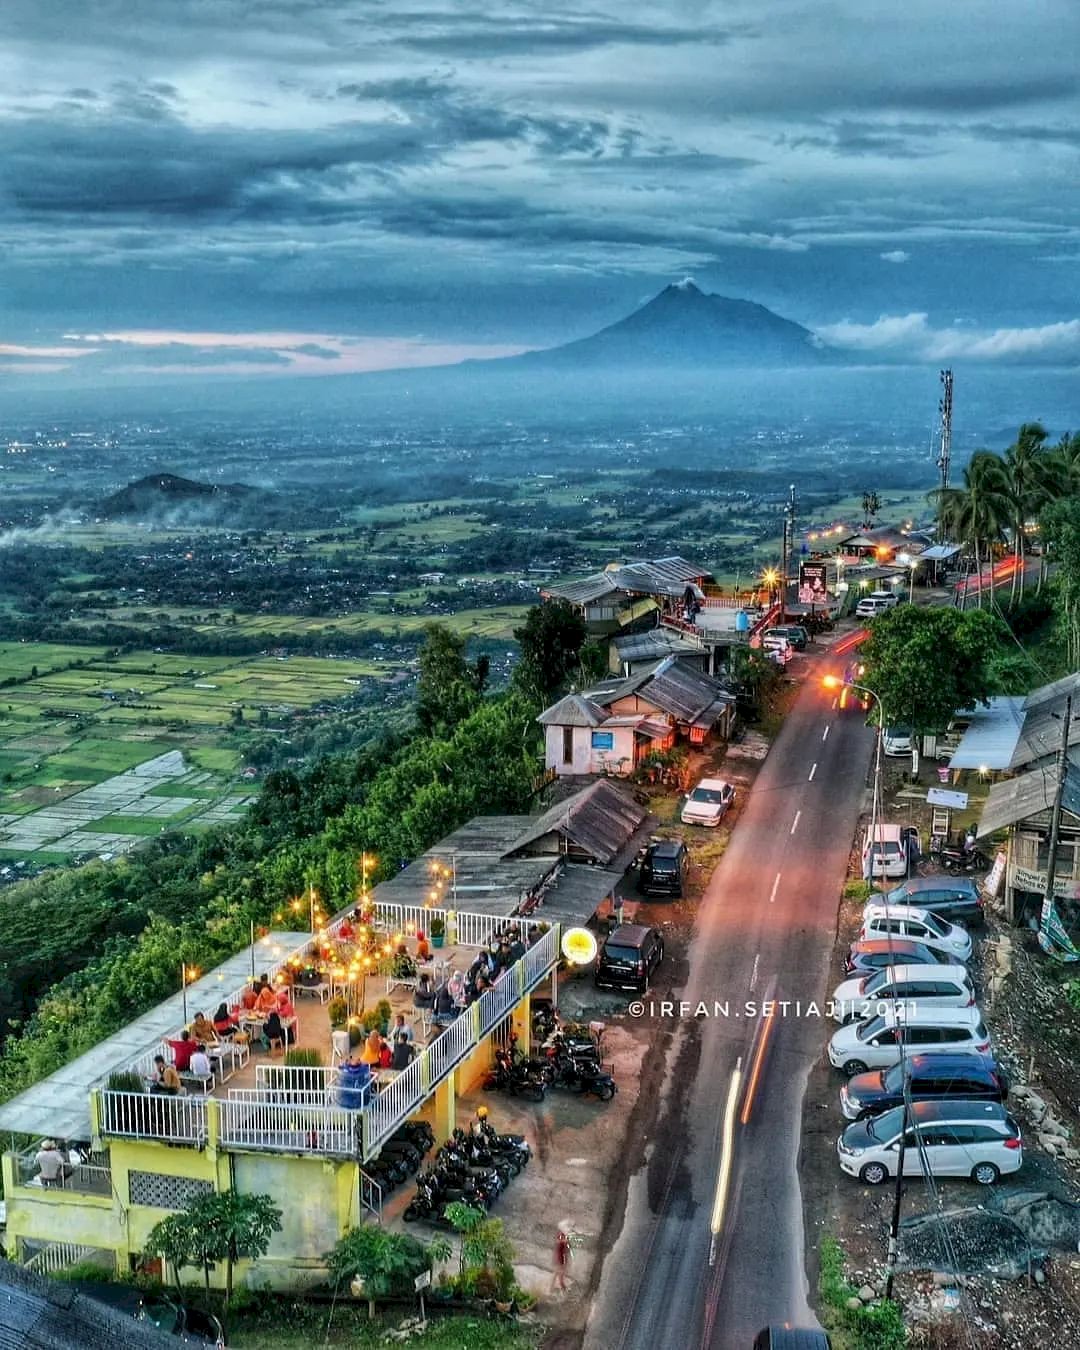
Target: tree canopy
(927, 664)
(550, 640)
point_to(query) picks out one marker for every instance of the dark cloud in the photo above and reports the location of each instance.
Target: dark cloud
(480, 35)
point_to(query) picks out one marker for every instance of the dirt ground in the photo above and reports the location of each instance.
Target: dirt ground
(1037, 1038)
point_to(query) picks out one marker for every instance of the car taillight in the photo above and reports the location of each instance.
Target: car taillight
(640, 965)
(984, 1048)
(1012, 1143)
(971, 1002)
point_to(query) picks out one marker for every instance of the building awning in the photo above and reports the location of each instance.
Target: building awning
(991, 736)
(638, 610)
(939, 553)
(1031, 794)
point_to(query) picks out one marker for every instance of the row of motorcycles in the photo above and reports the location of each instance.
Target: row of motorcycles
(400, 1157)
(472, 1169)
(965, 857)
(566, 1060)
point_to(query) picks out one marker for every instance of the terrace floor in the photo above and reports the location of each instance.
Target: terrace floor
(313, 1021)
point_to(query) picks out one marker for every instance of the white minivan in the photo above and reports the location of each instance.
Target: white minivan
(885, 853)
(909, 921)
(980, 1140)
(875, 1043)
(866, 996)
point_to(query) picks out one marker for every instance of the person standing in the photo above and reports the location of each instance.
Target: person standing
(563, 1257)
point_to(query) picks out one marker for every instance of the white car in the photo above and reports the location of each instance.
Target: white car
(876, 1042)
(866, 996)
(889, 599)
(979, 1140)
(907, 921)
(885, 854)
(896, 740)
(708, 803)
(869, 607)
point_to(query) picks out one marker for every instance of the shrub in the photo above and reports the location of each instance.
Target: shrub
(125, 1081)
(385, 1011)
(338, 1011)
(880, 1327)
(857, 890)
(438, 927)
(303, 1059)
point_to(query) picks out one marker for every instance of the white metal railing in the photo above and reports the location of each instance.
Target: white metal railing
(295, 1078)
(93, 1177)
(153, 1115)
(395, 1103)
(466, 929)
(59, 1256)
(249, 1121)
(371, 1196)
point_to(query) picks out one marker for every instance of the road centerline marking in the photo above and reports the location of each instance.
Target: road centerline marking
(795, 822)
(753, 973)
(775, 888)
(813, 771)
(825, 733)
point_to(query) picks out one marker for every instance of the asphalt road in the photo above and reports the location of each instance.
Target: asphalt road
(765, 927)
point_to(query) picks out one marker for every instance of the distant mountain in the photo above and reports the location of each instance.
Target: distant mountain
(687, 328)
(167, 494)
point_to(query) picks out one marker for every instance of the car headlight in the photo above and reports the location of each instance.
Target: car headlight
(841, 1147)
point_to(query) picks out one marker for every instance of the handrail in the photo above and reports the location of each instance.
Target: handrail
(301, 1124)
(153, 1115)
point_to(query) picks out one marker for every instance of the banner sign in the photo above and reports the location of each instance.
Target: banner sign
(956, 801)
(812, 587)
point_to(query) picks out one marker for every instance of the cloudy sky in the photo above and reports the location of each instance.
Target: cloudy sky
(310, 186)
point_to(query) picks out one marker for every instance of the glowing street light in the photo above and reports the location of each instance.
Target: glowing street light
(188, 974)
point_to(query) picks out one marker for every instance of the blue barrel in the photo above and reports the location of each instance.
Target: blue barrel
(354, 1086)
(742, 621)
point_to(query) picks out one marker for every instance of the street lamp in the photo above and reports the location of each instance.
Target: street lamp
(771, 577)
(187, 975)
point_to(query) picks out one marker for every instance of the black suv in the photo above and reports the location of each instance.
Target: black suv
(954, 898)
(960, 1076)
(664, 868)
(872, 954)
(628, 958)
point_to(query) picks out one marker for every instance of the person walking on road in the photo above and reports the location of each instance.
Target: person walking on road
(563, 1257)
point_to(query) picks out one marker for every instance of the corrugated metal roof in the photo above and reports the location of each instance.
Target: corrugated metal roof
(37, 1313)
(991, 736)
(1040, 737)
(940, 552)
(671, 686)
(599, 819)
(572, 711)
(1018, 799)
(60, 1104)
(654, 645)
(1053, 693)
(582, 591)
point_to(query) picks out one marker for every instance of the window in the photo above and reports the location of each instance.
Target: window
(568, 745)
(603, 740)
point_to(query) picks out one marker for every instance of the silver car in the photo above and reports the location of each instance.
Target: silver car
(979, 1140)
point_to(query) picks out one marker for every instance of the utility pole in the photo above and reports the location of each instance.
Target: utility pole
(1055, 817)
(898, 1195)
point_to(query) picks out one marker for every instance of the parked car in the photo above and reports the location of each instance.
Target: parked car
(909, 921)
(628, 958)
(870, 608)
(708, 803)
(889, 853)
(777, 648)
(865, 996)
(957, 899)
(792, 632)
(875, 1043)
(896, 740)
(888, 598)
(872, 954)
(664, 868)
(979, 1140)
(964, 1076)
(791, 1338)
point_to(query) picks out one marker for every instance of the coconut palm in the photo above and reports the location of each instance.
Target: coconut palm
(977, 513)
(1025, 482)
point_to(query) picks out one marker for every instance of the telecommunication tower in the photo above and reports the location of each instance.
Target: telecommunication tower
(945, 443)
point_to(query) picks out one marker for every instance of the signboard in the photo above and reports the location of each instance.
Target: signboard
(812, 587)
(993, 879)
(603, 740)
(955, 801)
(422, 1280)
(1027, 879)
(578, 946)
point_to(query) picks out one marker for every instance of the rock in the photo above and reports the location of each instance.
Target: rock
(1037, 1108)
(1072, 1154)
(1052, 1126)
(1040, 1275)
(1050, 1142)
(866, 1293)
(854, 1302)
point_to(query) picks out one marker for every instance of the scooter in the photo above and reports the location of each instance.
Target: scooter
(958, 858)
(583, 1077)
(513, 1146)
(518, 1081)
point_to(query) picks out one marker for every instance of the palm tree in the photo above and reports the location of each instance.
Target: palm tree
(1024, 480)
(977, 513)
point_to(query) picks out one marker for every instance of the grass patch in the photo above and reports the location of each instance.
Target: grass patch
(140, 825)
(278, 1325)
(863, 1328)
(857, 890)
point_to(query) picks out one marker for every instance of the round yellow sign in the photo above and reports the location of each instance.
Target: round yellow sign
(578, 946)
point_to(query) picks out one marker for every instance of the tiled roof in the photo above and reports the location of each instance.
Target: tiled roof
(601, 819)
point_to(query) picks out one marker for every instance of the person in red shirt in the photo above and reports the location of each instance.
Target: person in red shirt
(249, 997)
(182, 1050)
(346, 931)
(267, 999)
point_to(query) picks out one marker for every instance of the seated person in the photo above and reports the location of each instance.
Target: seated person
(346, 932)
(386, 1055)
(165, 1079)
(53, 1167)
(225, 1023)
(249, 998)
(182, 1050)
(274, 1032)
(372, 1050)
(445, 1009)
(423, 948)
(424, 994)
(267, 1000)
(403, 1053)
(456, 987)
(203, 1030)
(285, 1007)
(200, 1066)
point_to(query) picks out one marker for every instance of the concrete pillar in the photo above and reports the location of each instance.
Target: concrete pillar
(213, 1126)
(445, 1110)
(521, 1024)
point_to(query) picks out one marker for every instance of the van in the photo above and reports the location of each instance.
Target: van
(876, 1042)
(979, 1140)
(628, 957)
(889, 599)
(910, 921)
(885, 854)
(962, 1076)
(664, 868)
(869, 608)
(939, 986)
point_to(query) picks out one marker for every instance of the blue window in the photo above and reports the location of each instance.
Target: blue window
(603, 740)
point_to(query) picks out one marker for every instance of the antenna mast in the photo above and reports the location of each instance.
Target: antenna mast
(945, 444)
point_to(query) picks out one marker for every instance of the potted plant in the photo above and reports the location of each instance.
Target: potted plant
(370, 1020)
(385, 1011)
(403, 966)
(438, 932)
(124, 1113)
(338, 1011)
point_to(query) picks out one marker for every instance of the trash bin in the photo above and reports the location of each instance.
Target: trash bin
(354, 1086)
(943, 773)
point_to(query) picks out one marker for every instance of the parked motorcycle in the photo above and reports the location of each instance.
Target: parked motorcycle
(514, 1146)
(582, 1076)
(958, 857)
(518, 1080)
(434, 1191)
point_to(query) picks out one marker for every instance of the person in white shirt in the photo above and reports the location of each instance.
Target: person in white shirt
(200, 1066)
(53, 1168)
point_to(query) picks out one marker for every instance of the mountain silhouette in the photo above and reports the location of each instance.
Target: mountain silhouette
(687, 328)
